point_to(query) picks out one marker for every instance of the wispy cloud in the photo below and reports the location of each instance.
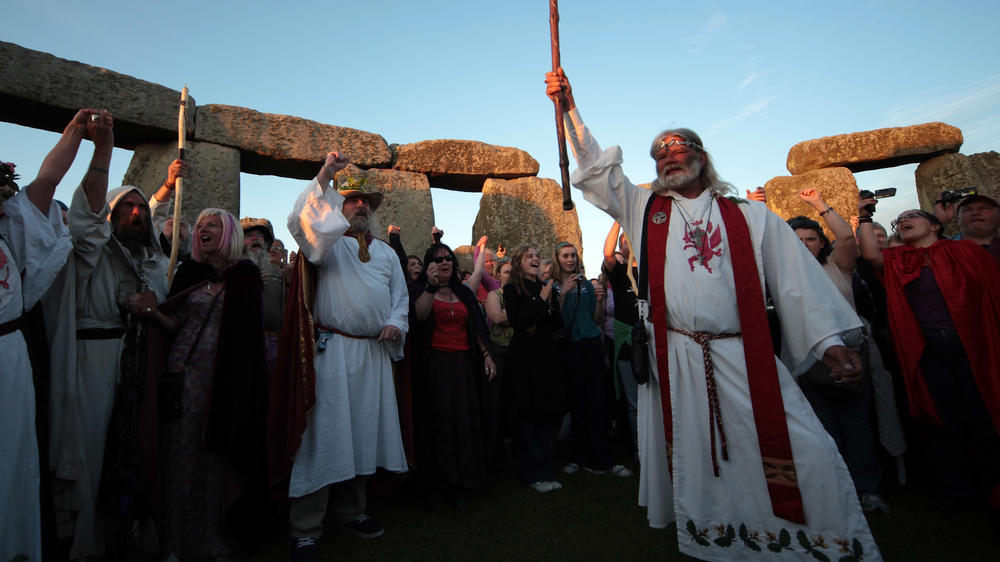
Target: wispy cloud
(975, 109)
(748, 80)
(710, 31)
(746, 112)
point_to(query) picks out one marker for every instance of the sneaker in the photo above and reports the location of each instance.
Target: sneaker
(541, 487)
(555, 485)
(365, 527)
(571, 468)
(621, 471)
(874, 502)
(303, 549)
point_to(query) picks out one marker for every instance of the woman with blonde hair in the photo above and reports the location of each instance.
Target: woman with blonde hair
(212, 398)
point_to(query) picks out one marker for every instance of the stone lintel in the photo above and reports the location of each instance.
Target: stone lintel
(878, 148)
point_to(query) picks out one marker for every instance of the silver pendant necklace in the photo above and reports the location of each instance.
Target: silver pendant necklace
(696, 232)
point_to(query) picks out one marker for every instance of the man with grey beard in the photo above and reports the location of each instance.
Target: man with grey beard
(719, 417)
(120, 275)
(360, 311)
(258, 237)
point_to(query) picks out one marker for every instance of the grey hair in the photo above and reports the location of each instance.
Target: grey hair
(709, 177)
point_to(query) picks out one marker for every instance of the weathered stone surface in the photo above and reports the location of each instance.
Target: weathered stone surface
(463, 165)
(526, 211)
(407, 205)
(283, 145)
(213, 178)
(836, 185)
(879, 148)
(43, 91)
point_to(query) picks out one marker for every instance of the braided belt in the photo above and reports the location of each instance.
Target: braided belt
(714, 414)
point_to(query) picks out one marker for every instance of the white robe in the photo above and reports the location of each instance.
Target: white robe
(89, 294)
(354, 426)
(730, 517)
(34, 246)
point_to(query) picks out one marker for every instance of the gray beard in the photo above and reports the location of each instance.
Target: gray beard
(260, 258)
(360, 224)
(666, 183)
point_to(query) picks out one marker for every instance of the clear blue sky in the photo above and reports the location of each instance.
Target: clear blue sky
(752, 78)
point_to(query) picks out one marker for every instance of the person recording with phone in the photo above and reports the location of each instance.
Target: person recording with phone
(583, 361)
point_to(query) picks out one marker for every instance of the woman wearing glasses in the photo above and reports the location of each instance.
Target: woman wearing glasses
(944, 309)
(451, 360)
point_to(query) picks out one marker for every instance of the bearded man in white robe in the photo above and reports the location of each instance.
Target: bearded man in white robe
(360, 312)
(730, 449)
(116, 276)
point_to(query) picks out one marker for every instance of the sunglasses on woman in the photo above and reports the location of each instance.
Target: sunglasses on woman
(440, 259)
(909, 216)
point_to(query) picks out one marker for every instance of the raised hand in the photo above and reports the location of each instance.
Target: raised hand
(99, 126)
(557, 86)
(812, 197)
(178, 169)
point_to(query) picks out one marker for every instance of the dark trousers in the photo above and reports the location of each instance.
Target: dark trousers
(535, 432)
(964, 451)
(588, 389)
(848, 418)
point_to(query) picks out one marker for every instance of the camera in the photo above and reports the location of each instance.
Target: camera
(951, 196)
(878, 194)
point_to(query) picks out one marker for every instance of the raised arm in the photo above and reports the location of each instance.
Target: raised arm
(60, 158)
(479, 266)
(610, 245)
(866, 235)
(845, 251)
(317, 219)
(95, 182)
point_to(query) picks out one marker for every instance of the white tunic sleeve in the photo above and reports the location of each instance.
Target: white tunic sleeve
(317, 221)
(600, 177)
(40, 244)
(90, 231)
(813, 312)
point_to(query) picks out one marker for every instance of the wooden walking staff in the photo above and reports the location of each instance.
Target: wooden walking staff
(179, 189)
(560, 126)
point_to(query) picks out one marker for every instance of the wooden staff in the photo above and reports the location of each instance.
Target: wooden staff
(560, 126)
(179, 187)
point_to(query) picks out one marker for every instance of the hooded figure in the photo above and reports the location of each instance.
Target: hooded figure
(115, 257)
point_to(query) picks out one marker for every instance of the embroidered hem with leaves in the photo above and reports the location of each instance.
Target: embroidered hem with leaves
(821, 548)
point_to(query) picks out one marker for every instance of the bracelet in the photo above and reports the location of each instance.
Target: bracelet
(171, 188)
(863, 220)
(828, 209)
(429, 290)
(100, 170)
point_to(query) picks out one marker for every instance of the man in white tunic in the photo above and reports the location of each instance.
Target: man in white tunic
(118, 273)
(360, 313)
(730, 449)
(34, 245)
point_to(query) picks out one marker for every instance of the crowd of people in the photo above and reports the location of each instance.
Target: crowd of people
(167, 411)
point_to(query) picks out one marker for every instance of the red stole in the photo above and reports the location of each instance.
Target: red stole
(969, 279)
(292, 389)
(762, 373)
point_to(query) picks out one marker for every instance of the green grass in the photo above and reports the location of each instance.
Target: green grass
(595, 517)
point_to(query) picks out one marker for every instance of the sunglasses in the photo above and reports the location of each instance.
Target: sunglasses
(440, 259)
(908, 216)
(681, 146)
